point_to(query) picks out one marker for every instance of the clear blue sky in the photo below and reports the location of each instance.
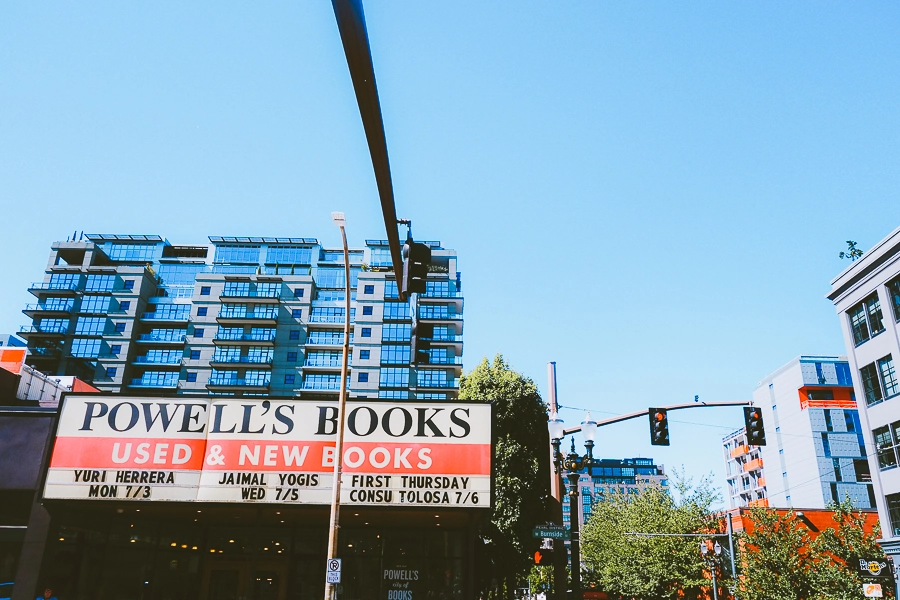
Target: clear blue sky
(652, 195)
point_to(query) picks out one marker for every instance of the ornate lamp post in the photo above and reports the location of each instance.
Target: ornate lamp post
(571, 466)
(711, 561)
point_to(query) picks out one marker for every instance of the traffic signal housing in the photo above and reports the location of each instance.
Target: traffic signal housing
(756, 433)
(659, 427)
(543, 556)
(416, 259)
(420, 344)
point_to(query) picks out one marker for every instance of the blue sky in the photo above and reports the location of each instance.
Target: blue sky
(652, 195)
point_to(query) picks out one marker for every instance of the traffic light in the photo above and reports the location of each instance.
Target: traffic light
(416, 258)
(420, 343)
(756, 434)
(659, 427)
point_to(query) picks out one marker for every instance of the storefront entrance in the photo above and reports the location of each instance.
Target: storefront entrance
(240, 580)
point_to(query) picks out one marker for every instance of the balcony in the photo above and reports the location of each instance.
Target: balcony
(227, 361)
(158, 360)
(44, 352)
(236, 317)
(322, 386)
(155, 383)
(448, 360)
(48, 310)
(258, 296)
(237, 382)
(328, 319)
(161, 317)
(259, 339)
(154, 338)
(62, 289)
(443, 385)
(326, 341)
(740, 451)
(754, 464)
(440, 316)
(48, 331)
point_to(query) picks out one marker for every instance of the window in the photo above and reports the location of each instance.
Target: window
(195, 355)
(236, 288)
(235, 253)
(63, 281)
(204, 290)
(111, 371)
(95, 304)
(885, 446)
(366, 332)
(843, 374)
(893, 288)
(879, 380)
(368, 289)
(328, 337)
(324, 359)
(395, 355)
(367, 310)
(292, 357)
(100, 283)
(364, 354)
(849, 420)
(86, 347)
(125, 305)
(297, 313)
(392, 377)
(289, 379)
(363, 377)
(115, 349)
(893, 506)
(334, 278)
(198, 332)
(90, 326)
(288, 255)
(53, 325)
(294, 334)
(192, 376)
(298, 292)
(128, 284)
(396, 333)
(130, 252)
(120, 327)
(201, 311)
(866, 319)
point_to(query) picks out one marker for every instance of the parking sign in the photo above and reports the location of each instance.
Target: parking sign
(333, 571)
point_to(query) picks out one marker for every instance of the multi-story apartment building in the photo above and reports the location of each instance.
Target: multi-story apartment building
(867, 298)
(743, 471)
(815, 453)
(240, 316)
(7, 340)
(609, 477)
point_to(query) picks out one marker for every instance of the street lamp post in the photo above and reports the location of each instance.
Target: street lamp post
(711, 561)
(330, 589)
(571, 465)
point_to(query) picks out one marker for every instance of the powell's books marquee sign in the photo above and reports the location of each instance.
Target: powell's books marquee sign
(275, 451)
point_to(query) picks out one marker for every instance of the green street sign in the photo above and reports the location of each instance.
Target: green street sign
(554, 532)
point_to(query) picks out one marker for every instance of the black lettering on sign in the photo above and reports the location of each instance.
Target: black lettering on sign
(103, 491)
(327, 414)
(253, 493)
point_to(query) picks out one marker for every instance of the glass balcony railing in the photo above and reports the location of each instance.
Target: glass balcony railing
(250, 360)
(238, 382)
(440, 316)
(60, 308)
(68, 287)
(250, 293)
(159, 360)
(50, 329)
(245, 337)
(155, 337)
(446, 360)
(328, 319)
(155, 383)
(161, 316)
(227, 314)
(327, 341)
(446, 337)
(322, 385)
(451, 383)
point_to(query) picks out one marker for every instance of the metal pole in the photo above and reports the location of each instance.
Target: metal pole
(330, 589)
(575, 515)
(556, 492)
(715, 591)
(734, 581)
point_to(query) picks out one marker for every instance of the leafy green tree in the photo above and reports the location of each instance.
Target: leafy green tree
(837, 551)
(521, 467)
(775, 557)
(651, 568)
(852, 251)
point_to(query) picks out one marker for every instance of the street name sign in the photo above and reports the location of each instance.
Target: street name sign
(554, 532)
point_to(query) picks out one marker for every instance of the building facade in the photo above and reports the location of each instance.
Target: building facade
(866, 296)
(816, 452)
(240, 316)
(610, 477)
(746, 482)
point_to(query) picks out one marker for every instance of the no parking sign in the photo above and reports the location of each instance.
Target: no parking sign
(333, 571)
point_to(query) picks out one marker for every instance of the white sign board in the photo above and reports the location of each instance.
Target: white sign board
(872, 590)
(333, 572)
(271, 451)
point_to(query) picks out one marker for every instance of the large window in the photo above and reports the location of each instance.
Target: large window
(392, 377)
(318, 381)
(380, 256)
(63, 281)
(86, 347)
(53, 325)
(396, 333)
(61, 304)
(334, 278)
(879, 380)
(236, 288)
(866, 319)
(327, 337)
(324, 359)
(90, 326)
(288, 255)
(395, 355)
(179, 274)
(893, 506)
(130, 252)
(234, 253)
(100, 283)
(886, 440)
(396, 311)
(327, 314)
(227, 353)
(95, 304)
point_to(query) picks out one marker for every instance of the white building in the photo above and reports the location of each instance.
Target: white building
(867, 298)
(743, 471)
(815, 452)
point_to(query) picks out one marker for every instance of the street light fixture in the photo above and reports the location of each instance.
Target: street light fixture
(330, 589)
(571, 466)
(711, 562)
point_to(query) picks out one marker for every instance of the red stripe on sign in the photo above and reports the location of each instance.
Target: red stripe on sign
(366, 457)
(127, 453)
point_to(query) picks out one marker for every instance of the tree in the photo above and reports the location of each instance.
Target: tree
(521, 468)
(837, 549)
(852, 251)
(775, 557)
(650, 568)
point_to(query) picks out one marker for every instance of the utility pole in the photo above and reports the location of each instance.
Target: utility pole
(560, 583)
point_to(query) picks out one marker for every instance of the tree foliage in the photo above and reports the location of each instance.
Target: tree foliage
(650, 568)
(852, 251)
(521, 467)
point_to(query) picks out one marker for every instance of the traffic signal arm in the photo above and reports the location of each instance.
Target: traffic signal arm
(641, 413)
